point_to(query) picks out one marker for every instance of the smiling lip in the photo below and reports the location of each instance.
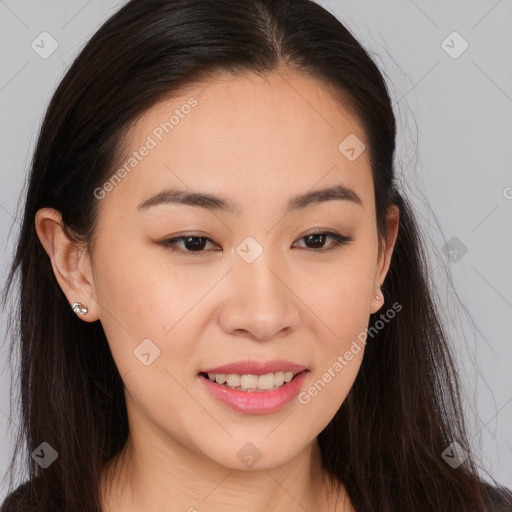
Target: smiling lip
(256, 368)
(262, 402)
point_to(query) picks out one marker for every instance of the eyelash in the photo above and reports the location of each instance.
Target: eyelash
(339, 240)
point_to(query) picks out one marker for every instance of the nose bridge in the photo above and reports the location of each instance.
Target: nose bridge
(256, 268)
(261, 302)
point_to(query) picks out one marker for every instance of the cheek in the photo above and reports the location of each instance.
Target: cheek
(136, 290)
(339, 294)
(328, 387)
(140, 301)
(340, 301)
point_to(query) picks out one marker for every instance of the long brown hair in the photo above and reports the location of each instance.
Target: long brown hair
(385, 443)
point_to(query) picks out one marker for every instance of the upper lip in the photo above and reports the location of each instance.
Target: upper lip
(256, 367)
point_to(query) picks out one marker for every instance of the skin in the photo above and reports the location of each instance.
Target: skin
(258, 142)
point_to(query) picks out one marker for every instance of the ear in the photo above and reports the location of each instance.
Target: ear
(384, 256)
(70, 261)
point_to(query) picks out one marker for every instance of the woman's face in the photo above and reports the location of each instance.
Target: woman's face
(253, 286)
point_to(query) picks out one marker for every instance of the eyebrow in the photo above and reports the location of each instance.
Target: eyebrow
(216, 203)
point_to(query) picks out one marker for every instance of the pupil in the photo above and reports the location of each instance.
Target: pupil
(318, 235)
(197, 244)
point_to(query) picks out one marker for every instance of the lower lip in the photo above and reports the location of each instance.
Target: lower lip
(256, 402)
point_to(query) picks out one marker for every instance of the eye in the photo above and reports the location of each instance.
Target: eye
(318, 238)
(194, 245)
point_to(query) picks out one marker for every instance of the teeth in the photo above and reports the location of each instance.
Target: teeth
(252, 382)
(233, 380)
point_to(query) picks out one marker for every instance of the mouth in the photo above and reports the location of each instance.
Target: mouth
(253, 383)
(259, 388)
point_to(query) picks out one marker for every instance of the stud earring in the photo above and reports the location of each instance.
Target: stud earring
(79, 308)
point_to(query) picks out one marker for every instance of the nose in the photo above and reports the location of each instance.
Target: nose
(260, 303)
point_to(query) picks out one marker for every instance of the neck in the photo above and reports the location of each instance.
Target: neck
(160, 476)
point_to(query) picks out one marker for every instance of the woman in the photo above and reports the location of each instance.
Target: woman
(224, 298)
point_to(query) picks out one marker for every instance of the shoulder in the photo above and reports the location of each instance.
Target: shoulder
(498, 499)
(18, 500)
(22, 499)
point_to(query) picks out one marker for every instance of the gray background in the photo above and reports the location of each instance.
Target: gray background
(454, 157)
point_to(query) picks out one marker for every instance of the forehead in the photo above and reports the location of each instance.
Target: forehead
(248, 136)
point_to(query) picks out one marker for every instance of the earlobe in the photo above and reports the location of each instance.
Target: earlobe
(70, 266)
(377, 302)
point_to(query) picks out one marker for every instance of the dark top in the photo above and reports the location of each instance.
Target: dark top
(499, 500)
